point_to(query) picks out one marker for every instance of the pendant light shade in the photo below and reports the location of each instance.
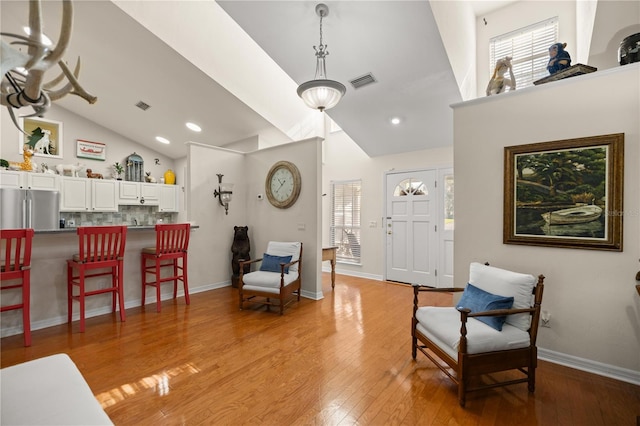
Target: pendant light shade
(321, 93)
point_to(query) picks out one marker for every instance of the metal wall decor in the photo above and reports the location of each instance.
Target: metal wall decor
(134, 168)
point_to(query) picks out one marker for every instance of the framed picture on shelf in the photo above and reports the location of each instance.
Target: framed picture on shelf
(91, 150)
(565, 193)
(43, 135)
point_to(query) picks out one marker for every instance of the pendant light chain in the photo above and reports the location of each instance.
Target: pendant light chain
(321, 52)
(321, 93)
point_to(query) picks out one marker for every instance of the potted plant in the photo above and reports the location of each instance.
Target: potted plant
(119, 169)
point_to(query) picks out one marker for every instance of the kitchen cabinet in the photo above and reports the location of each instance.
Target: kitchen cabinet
(136, 193)
(96, 195)
(28, 180)
(150, 194)
(168, 198)
(128, 193)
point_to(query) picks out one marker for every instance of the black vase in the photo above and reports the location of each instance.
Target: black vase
(629, 50)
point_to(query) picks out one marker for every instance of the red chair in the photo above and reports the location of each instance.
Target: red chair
(15, 272)
(172, 242)
(101, 247)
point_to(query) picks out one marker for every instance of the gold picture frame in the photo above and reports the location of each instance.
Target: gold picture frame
(52, 149)
(566, 193)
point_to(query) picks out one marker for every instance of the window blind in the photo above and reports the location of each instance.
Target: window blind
(346, 200)
(529, 48)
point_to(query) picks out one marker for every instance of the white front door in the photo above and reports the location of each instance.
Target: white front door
(411, 218)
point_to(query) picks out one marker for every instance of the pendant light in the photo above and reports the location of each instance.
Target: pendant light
(321, 93)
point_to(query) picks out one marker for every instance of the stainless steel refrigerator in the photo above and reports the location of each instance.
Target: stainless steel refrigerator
(27, 208)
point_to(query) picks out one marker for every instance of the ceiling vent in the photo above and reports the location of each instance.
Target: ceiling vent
(362, 80)
(143, 106)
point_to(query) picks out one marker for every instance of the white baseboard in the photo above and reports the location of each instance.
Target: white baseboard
(589, 366)
(313, 295)
(353, 273)
(50, 322)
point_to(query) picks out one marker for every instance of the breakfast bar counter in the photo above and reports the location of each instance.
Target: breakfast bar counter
(50, 252)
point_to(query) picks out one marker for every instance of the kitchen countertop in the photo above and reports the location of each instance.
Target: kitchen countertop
(129, 228)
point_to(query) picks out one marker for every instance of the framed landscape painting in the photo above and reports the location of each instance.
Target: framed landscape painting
(565, 193)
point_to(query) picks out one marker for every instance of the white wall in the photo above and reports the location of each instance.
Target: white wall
(518, 15)
(457, 26)
(210, 247)
(300, 222)
(595, 310)
(344, 160)
(615, 20)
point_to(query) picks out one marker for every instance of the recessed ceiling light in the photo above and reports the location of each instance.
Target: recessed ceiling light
(45, 40)
(194, 127)
(395, 121)
(162, 140)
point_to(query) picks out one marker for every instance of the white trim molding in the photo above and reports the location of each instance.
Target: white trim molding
(590, 366)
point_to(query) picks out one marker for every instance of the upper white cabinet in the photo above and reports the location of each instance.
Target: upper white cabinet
(43, 181)
(168, 198)
(128, 193)
(27, 180)
(104, 197)
(80, 194)
(136, 193)
(149, 194)
(96, 195)
(12, 179)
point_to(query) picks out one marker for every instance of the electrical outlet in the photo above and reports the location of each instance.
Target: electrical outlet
(545, 319)
(71, 223)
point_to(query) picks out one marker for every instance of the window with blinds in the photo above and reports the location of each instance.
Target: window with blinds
(529, 48)
(345, 220)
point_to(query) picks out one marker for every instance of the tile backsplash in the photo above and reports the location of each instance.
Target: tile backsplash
(127, 215)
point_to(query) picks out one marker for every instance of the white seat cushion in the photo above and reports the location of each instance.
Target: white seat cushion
(267, 281)
(48, 391)
(442, 326)
(277, 248)
(509, 284)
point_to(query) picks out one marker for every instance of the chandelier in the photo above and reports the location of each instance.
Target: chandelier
(321, 93)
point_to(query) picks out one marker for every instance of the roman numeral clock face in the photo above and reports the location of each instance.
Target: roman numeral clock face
(283, 184)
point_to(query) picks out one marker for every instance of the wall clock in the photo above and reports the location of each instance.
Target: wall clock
(283, 184)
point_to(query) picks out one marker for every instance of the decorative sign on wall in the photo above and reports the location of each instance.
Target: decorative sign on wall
(44, 136)
(91, 150)
(565, 193)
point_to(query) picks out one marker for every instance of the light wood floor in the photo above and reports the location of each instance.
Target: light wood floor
(343, 360)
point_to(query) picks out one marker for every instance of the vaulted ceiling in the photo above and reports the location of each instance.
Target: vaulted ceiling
(123, 62)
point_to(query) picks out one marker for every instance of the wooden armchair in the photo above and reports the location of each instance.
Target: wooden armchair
(483, 334)
(279, 276)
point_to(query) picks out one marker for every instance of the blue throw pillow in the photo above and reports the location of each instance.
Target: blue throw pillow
(479, 300)
(272, 263)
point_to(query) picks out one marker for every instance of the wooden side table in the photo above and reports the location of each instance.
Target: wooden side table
(329, 253)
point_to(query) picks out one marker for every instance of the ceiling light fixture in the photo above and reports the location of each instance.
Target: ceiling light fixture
(163, 140)
(321, 93)
(194, 127)
(395, 121)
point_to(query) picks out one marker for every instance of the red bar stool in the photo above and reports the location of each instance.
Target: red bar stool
(15, 272)
(101, 247)
(172, 242)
